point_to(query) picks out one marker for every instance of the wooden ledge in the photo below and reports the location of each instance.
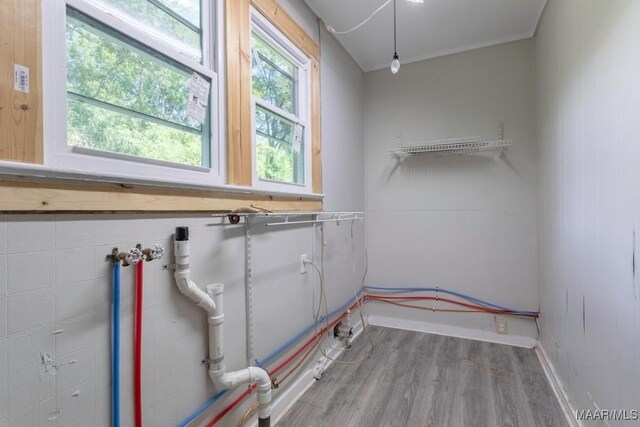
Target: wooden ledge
(78, 197)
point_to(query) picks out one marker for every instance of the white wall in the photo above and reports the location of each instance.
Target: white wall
(342, 86)
(54, 276)
(462, 223)
(587, 71)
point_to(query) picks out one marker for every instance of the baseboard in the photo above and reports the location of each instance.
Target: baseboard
(287, 398)
(285, 401)
(556, 385)
(452, 331)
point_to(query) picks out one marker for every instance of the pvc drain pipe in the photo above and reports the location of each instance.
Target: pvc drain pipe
(212, 302)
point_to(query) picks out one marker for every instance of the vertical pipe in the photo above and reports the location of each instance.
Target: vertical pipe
(216, 334)
(137, 369)
(115, 358)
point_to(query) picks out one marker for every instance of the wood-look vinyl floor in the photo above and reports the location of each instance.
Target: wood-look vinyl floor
(416, 379)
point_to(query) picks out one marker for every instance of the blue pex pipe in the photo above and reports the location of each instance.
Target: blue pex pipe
(339, 310)
(203, 408)
(115, 357)
(445, 291)
(268, 359)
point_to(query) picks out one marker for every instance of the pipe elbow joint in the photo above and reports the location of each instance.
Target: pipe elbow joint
(251, 374)
(261, 378)
(197, 295)
(230, 380)
(263, 396)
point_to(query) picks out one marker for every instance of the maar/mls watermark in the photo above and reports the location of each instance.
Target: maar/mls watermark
(607, 414)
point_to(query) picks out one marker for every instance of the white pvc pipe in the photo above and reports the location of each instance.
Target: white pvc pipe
(182, 277)
(212, 302)
(216, 335)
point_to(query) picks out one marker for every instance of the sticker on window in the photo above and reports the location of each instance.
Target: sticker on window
(198, 98)
(297, 138)
(20, 78)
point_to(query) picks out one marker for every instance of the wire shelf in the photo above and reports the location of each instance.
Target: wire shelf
(474, 145)
(288, 218)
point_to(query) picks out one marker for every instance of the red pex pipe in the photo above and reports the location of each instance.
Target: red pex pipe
(307, 344)
(364, 299)
(450, 301)
(233, 404)
(278, 368)
(137, 357)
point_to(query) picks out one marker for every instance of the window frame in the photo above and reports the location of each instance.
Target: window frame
(59, 154)
(303, 93)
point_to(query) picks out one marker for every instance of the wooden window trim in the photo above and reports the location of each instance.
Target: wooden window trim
(80, 197)
(238, 67)
(21, 113)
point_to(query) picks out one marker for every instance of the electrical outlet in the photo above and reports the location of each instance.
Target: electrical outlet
(303, 267)
(501, 325)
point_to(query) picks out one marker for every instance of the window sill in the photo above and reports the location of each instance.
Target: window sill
(37, 188)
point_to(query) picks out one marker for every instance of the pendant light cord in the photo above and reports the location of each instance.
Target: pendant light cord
(395, 31)
(374, 13)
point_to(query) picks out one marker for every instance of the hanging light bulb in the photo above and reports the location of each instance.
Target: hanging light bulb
(395, 62)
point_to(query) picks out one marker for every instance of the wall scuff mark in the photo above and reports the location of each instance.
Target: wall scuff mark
(584, 317)
(633, 266)
(49, 363)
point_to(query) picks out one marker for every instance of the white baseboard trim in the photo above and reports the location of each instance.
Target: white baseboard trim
(287, 398)
(556, 386)
(452, 331)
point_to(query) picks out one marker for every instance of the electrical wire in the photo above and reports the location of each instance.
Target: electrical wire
(282, 380)
(320, 336)
(266, 360)
(232, 405)
(297, 365)
(443, 310)
(366, 264)
(446, 291)
(450, 301)
(323, 297)
(356, 302)
(351, 305)
(277, 352)
(395, 31)
(365, 329)
(375, 12)
(277, 369)
(247, 414)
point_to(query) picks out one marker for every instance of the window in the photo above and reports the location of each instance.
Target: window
(280, 85)
(141, 90)
(176, 22)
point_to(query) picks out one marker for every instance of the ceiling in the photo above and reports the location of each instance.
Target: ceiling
(433, 28)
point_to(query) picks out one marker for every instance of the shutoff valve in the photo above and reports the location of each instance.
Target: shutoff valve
(156, 252)
(133, 256)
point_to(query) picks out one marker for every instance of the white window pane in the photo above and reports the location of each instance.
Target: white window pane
(273, 76)
(188, 9)
(105, 130)
(276, 157)
(102, 66)
(126, 99)
(176, 21)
